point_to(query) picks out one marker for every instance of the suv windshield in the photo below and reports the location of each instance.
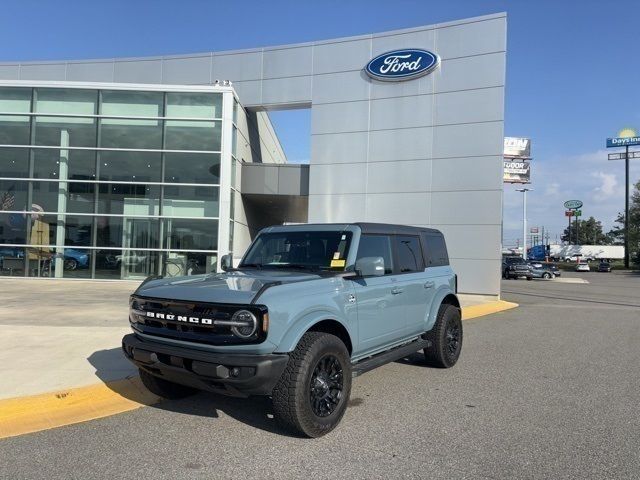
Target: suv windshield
(514, 260)
(295, 249)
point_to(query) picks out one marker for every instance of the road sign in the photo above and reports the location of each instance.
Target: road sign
(573, 204)
(623, 155)
(622, 141)
(568, 213)
(577, 213)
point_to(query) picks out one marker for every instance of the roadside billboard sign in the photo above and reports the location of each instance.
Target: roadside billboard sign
(516, 171)
(517, 147)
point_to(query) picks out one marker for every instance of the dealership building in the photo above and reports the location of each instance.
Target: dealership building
(124, 168)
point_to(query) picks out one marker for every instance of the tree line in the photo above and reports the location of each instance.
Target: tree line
(590, 231)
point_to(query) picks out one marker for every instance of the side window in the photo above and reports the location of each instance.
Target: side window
(436, 250)
(377, 246)
(409, 254)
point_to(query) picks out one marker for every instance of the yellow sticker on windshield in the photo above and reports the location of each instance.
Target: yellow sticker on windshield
(338, 263)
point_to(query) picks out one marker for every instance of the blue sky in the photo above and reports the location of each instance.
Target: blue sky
(572, 69)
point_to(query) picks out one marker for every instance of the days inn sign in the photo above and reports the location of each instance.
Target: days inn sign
(622, 141)
(401, 65)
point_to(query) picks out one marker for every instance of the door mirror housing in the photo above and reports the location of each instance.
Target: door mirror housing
(370, 266)
(226, 262)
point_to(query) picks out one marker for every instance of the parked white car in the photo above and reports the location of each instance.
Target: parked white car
(582, 267)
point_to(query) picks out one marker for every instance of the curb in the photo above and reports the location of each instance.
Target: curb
(475, 311)
(56, 409)
(22, 415)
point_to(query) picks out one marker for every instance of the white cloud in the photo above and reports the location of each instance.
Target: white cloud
(608, 186)
(552, 190)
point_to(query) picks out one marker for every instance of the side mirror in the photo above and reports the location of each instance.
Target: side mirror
(370, 266)
(226, 262)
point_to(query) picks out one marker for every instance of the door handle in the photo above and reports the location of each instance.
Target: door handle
(396, 291)
(429, 284)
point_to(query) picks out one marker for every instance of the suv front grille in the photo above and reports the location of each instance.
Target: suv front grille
(190, 321)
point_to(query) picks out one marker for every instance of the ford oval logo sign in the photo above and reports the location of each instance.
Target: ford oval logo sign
(573, 204)
(402, 65)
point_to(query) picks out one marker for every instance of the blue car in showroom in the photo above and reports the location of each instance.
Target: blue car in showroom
(73, 259)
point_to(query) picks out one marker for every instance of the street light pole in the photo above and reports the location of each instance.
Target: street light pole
(524, 220)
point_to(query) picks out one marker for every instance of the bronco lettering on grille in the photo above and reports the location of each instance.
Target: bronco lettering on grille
(181, 318)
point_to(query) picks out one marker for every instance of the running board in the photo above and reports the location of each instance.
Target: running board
(363, 366)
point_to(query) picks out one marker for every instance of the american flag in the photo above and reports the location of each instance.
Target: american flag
(7, 200)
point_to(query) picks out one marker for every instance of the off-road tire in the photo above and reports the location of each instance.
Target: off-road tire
(439, 354)
(164, 388)
(292, 394)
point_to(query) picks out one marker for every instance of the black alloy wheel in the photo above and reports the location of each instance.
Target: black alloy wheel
(446, 338)
(325, 390)
(453, 337)
(313, 392)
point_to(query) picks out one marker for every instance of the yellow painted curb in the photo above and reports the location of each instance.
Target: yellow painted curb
(56, 409)
(483, 309)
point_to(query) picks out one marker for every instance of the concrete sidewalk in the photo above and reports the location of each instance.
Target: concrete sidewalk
(58, 334)
(66, 333)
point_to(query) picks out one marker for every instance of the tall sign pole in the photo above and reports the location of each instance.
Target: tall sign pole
(573, 210)
(517, 154)
(626, 207)
(524, 223)
(626, 138)
(524, 220)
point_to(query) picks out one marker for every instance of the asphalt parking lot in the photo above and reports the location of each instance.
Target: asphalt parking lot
(547, 390)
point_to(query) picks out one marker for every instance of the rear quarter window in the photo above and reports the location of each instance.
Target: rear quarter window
(409, 254)
(436, 250)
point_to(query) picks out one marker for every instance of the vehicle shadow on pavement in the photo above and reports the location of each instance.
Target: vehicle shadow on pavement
(253, 411)
(414, 359)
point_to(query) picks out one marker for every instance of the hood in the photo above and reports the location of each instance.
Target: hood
(232, 287)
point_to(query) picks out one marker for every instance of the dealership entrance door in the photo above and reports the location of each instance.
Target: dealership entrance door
(135, 261)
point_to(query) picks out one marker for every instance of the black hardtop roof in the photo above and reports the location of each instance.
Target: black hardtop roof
(394, 229)
(365, 227)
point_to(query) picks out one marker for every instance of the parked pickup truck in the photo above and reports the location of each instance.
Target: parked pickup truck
(516, 267)
(308, 308)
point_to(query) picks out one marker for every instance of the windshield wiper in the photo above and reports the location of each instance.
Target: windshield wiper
(257, 266)
(298, 266)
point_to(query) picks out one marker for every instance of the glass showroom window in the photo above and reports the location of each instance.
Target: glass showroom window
(14, 129)
(109, 183)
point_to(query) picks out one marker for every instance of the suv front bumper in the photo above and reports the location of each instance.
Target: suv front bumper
(228, 374)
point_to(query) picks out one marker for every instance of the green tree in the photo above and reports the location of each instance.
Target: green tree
(589, 233)
(616, 234)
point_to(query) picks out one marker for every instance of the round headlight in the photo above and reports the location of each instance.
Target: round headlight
(248, 321)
